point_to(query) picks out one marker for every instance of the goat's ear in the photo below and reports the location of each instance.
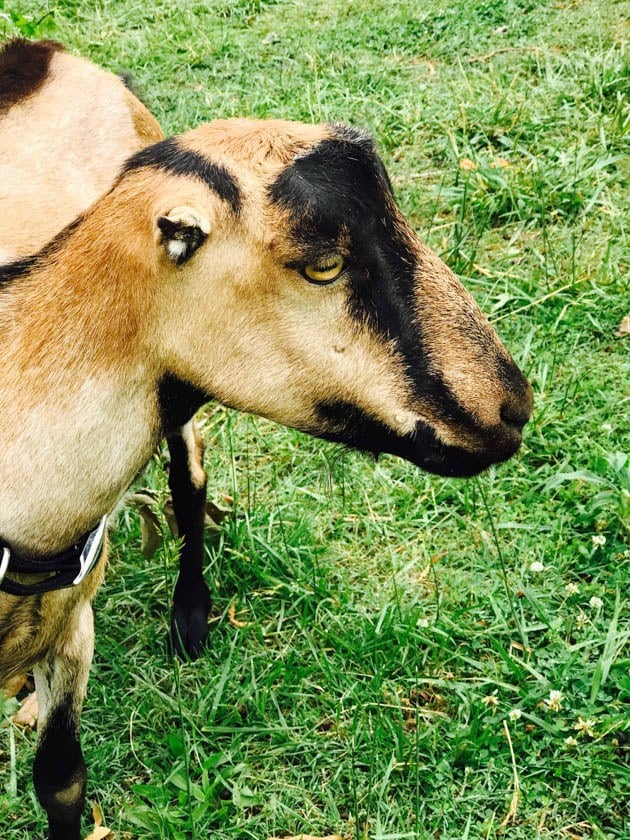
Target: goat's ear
(183, 230)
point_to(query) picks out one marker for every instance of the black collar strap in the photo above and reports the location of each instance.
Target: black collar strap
(67, 568)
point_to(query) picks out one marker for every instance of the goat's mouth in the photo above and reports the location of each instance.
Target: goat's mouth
(348, 425)
(425, 450)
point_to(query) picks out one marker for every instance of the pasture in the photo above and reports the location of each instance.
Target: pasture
(394, 656)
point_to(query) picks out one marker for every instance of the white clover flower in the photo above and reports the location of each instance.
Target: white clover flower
(537, 566)
(606, 427)
(581, 621)
(491, 700)
(572, 589)
(554, 701)
(515, 714)
(585, 727)
(596, 603)
(422, 622)
(570, 741)
(598, 539)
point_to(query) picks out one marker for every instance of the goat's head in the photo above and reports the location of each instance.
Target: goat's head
(291, 286)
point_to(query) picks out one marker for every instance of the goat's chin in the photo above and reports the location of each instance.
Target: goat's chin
(422, 448)
(439, 459)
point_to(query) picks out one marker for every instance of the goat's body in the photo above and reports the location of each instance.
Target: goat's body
(265, 265)
(52, 415)
(64, 136)
(66, 127)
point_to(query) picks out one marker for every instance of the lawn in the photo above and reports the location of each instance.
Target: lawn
(394, 656)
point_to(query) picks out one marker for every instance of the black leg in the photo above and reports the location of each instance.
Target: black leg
(59, 771)
(191, 600)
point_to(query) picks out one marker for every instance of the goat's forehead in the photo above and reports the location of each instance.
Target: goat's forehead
(325, 175)
(338, 185)
(265, 148)
(256, 143)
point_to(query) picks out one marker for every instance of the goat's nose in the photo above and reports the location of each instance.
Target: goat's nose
(517, 409)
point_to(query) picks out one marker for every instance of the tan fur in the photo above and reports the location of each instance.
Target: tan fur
(61, 149)
(194, 444)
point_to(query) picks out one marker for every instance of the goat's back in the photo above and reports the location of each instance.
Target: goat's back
(66, 127)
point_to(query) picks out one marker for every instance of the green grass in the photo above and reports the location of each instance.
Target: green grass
(393, 619)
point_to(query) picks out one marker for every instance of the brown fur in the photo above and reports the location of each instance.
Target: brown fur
(80, 123)
(89, 123)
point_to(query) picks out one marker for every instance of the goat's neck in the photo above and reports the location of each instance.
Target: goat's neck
(78, 406)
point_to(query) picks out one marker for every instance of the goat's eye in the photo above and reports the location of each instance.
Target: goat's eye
(324, 272)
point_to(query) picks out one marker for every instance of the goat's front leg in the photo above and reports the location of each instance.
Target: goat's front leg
(191, 600)
(59, 770)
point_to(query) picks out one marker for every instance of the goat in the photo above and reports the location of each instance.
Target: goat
(263, 264)
(82, 123)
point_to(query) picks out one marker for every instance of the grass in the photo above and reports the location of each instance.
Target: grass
(398, 627)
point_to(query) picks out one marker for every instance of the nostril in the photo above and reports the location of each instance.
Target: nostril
(515, 413)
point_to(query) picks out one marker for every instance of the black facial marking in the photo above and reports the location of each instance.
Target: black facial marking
(17, 268)
(341, 190)
(178, 401)
(23, 69)
(22, 267)
(170, 156)
(346, 423)
(338, 198)
(339, 183)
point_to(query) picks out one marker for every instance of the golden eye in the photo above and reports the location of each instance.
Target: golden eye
(324, 272)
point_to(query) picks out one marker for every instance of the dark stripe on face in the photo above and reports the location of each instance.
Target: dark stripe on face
(341, 189)
(21, 268)
(171, 157)
(339, 184)
(17, 268)
(23, 69)
(345, 423)
(342, 186)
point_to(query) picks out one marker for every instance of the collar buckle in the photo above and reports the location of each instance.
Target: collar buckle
(4, 563)
(91, 551)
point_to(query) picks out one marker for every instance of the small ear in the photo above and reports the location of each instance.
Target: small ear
(183, 231)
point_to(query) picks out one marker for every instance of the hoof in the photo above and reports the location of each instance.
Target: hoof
(189, 625)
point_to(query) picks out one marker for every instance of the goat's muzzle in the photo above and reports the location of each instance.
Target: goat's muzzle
(473, 448)
(481, 444)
